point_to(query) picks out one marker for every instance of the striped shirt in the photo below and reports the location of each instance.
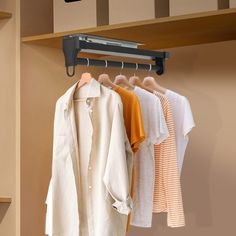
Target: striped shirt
(167, 189)
(156, 131)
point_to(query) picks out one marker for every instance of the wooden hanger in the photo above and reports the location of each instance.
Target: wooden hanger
(104, 79)
(135, 80)
(122, 79)
(85, 79)
(151, 83)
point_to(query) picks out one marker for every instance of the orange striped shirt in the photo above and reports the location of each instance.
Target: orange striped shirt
(167, 189)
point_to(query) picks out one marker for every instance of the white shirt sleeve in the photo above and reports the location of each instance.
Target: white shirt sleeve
(48, 225)
(117, 171)
(158, 129)
(49, 201)
(188, 122)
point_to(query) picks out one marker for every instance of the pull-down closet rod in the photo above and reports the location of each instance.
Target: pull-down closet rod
(73, 44)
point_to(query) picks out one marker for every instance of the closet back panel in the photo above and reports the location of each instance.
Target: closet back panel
(208, 178)
(36, 17)
(232, 3)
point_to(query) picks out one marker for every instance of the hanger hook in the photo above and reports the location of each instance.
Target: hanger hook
(150, 67)
(136, 68)
(122, 67)
(87, 62)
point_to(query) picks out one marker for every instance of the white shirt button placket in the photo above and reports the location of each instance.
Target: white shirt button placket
(90, 188)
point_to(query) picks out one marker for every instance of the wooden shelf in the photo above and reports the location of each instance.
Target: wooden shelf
(5, 15)
(167, 32)
(5, 200)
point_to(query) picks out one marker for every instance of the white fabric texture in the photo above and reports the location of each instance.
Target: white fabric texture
(183, 123)
(89, 192)
(155, 131)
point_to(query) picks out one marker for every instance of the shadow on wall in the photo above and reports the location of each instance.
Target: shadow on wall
(3, 210)
(198, 162)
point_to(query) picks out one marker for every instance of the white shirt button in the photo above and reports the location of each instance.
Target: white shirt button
(88, 101)
(90, 168)
(90, 187)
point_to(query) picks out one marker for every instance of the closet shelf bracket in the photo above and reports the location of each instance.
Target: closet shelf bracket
(75, 44)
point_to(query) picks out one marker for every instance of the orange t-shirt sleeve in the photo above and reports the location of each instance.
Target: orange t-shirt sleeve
(137, 129)
(132, 117)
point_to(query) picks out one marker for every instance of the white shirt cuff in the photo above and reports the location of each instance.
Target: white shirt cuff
(124, 207)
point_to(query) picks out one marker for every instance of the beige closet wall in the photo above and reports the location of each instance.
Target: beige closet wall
(9, 118)
(206, 75)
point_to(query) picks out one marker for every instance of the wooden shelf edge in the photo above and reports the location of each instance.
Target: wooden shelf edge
(5, 200)
(170, 19)
(5, 15)
(160, 33)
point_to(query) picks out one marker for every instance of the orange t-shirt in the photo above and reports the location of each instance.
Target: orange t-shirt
(133, 125)
(132, 117)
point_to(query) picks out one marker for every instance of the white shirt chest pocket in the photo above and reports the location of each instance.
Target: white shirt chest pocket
(61, 150)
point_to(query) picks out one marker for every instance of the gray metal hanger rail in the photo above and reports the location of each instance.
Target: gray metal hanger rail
(74, 44)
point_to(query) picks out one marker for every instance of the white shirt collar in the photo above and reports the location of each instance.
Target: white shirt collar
(93, 91)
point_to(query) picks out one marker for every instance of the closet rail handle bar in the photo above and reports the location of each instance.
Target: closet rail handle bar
(119, 64)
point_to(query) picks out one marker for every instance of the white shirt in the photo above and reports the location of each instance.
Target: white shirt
(155, 131)
(89, 192)
(183, 123)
